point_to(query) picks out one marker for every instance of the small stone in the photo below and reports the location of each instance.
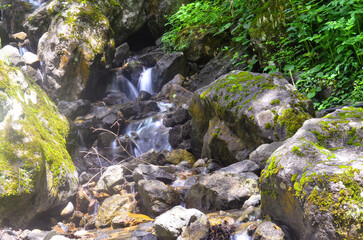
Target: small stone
(20, 36)
(68, 210)
(199, 163)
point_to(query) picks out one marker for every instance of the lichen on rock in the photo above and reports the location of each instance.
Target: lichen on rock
(36, 171)
(315, 178)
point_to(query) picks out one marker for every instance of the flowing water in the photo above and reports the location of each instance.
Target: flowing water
(149, 133)
(145, 81)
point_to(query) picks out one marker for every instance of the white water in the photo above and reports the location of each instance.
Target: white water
(23, 50)
(36, 3)
(149, 133)
(122, 84)
(145, 81)
(241, 236)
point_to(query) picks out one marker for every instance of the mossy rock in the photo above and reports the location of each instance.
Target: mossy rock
(313, 183)
(36, 171)
(257, 108)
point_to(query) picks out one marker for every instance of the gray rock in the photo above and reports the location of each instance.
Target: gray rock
(268, 230)
(169, 65)
(35, 234)
(74, 109)
(11, 55)
(241, 167)
(156, 197)
(263, 152)
(253, 201)
(256, 108)
(181, 223)
(121, 55)
(113, 207)
(152, 172)
(31, 59)
(34, 134)
(222, 191)
(111, 177)
(313, 182)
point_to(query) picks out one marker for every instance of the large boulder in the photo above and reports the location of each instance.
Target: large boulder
(222, 191)
(77, 42)
(39, 21)
(181, 223)
(36, 171)
(313, 182)
(255, 108)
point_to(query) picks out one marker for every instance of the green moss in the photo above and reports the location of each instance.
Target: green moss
(272, 168)
(296, 150)
(268, 126)
(345, 207)
(292, 119)
(39, 144)
(277, 101)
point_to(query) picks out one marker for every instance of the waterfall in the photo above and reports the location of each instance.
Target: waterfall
(36, 3)
(149, 133)
(121, 84)
(23, 50)
(145, 81)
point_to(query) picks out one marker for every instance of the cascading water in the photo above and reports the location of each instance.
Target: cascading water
(145, 81)
(36, 3)
(121, 84)
(149, 133)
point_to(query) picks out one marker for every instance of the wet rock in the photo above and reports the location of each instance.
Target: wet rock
(74, 109)
(116, 98)
(251, 213)
(312, 183)
(199, 163)
(165, 90)
(241, 167)
(180, 96)
(254, 201)
(152, 172)
(150, 58)
(132, 71)
(34, 134)
(222, 191)
(143, 96)
(111, 177)
(129, 219)
(179, 136)
(156, 197)
(139, 109)
(121, 55)
(181, 223)
(268, 230)
(113, 207)
(256, 108)
(11, 55)
(263, 152)
(145, 232)
(179, 155)
(169, 65)
(177, 117)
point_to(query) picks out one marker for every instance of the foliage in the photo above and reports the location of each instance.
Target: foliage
(232, 17)
(322, 44)
(324, 41)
